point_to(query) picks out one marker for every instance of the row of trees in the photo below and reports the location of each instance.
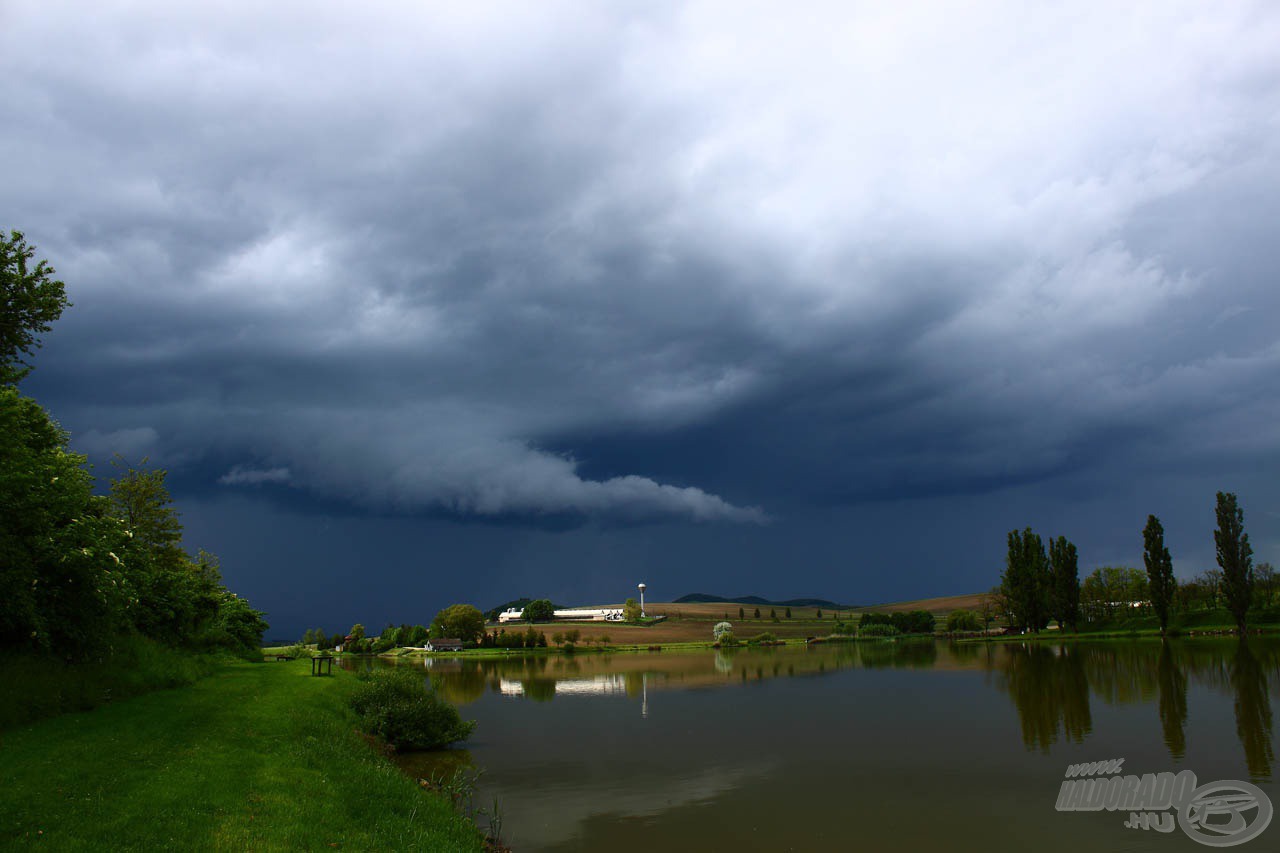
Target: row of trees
(1037, 587)
(905, 621)
(77, 569)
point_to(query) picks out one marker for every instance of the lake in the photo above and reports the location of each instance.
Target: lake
(832, 747)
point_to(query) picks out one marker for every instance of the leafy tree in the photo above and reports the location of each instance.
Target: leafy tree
(631, 610)
(963, 620)
(1026, 580)
(539, 610)
(142, 502)
(30, 300)
(61, 584)
(572, 636)
(1110, 588)
(1160, 580)
(1064, 597)
(757, 612)
(1235, 556)
(788, 612)
(721, 628)
(558, 638)
(356, 633)
(819, 612)
(1264, 581)
(742, 614)
(913, 622)
(459, 620)
(988, 608)
(241, 627)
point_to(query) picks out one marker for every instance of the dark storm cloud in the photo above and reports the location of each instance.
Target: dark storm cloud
(653, 262)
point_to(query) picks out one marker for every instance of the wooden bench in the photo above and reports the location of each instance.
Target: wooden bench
(322, 665)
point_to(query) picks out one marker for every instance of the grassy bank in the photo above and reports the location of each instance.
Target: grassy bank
(1181, 624)
(45, 687)
(254, 757)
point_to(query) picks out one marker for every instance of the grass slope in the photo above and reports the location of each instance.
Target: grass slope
(254, 757)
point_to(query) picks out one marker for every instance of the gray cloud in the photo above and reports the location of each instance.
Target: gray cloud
(241, 475)
(409, 256)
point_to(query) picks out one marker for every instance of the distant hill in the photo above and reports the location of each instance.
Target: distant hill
(704, 598)
(492, 614)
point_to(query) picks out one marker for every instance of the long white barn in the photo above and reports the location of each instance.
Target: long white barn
(515, 614)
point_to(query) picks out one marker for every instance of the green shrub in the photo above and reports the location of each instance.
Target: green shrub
(766, 637)
(397, 706)
(878, 630)
(963, 620)
(727, 639)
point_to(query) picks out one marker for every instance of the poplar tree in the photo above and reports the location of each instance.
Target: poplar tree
(1160, 580)
(1065, 582)
(1235, 556)
(1026, 582)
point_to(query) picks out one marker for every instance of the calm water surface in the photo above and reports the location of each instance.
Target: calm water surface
(885, 745)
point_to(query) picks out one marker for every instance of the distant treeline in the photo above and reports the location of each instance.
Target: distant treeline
(1039, 586)
(704, 598)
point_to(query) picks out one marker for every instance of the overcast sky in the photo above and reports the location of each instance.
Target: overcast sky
(421, 303)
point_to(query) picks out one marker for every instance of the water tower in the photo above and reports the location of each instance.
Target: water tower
(641, 587)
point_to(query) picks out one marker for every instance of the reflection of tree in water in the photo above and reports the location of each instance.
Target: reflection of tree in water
(1173, 702)
(966, 652)
(540, 689)
(634, 683)
(460, 688)
(1122, 673)
(1253, 711)
(907, 654)
(1050, 692)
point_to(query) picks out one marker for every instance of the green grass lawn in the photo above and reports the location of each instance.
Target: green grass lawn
(253, 757)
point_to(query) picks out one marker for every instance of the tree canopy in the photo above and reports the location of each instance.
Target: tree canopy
(30, 300)
(539, 610)
(1026, 582)
(458, 620)
(1160, 580)
(78, 570)
(1235, 556)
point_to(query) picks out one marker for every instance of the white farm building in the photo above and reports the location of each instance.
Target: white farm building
(515, 614)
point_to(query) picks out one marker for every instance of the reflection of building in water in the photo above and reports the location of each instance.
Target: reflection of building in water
(597, 685)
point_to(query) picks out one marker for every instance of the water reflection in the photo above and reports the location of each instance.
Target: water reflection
(1253, 711)
(1050, 689)
(1052, 686)
(1173, 702)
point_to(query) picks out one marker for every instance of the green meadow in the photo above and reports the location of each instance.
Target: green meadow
(253, 757)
